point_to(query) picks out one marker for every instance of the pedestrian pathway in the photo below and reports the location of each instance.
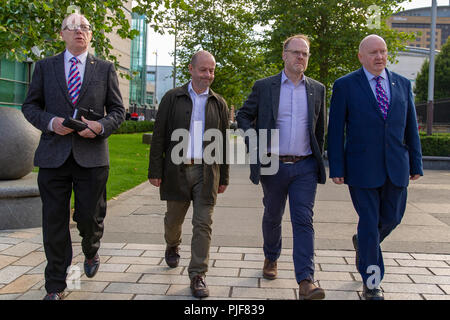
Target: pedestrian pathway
(416, 254)
(138, 271)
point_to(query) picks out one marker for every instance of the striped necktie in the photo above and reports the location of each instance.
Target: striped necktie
(382, 99)
(74, 84)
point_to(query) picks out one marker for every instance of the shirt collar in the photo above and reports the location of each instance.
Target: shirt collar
(81, 58)
(285, 79)
(191, 90)
(370, 76)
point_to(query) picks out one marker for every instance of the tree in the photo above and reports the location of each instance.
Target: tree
(225, 28)
(335, 28)
(442, 76)
(30, 29)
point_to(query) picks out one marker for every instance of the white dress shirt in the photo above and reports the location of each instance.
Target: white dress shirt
(197, 126)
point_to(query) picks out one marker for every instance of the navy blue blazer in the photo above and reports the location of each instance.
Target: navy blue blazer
(363, 147)
(260, 111)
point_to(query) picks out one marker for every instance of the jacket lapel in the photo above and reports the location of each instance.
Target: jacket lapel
(364, 83)
(276, 87)
(60, 76)
(393, 84)
(310, 101)
(88, 72)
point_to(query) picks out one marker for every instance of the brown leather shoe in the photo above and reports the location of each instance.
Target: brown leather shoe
(270, 269)
(172, 257)
(309, 291)
(199, 288)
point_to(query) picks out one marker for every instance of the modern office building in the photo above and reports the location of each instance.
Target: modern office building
(159, 78)
(138, 67)
(419, 21)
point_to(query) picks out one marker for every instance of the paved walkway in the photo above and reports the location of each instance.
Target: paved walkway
(417, 253)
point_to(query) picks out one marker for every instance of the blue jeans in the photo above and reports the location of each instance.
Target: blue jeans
(299, 182)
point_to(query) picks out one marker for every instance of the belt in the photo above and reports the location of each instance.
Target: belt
(191, 162)
(293, 159)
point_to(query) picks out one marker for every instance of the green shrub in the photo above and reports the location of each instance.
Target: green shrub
(131, 126)
(437, 145)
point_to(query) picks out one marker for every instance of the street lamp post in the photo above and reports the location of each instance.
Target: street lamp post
(156, 78)
(430, 105)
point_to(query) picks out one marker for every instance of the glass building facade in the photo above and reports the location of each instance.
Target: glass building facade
(138, 66)
(14, 82)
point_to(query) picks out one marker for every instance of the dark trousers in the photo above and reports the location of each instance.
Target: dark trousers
(201, 222)
(299, 182)
(380, 210)
(55, 186)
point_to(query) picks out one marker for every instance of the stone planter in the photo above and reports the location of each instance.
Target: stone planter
(18, 141)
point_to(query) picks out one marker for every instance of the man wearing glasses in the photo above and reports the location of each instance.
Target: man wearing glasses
(70, 159)
(295, 105)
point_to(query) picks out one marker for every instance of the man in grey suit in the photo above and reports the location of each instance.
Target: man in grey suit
(294, 105)
(69, 159)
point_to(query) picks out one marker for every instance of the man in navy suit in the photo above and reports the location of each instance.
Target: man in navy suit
(294, 104)
(374, 148)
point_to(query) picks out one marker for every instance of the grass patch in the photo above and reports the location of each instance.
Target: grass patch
(128, 163)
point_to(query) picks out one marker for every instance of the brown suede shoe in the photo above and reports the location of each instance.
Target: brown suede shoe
(172, 257)
(309, 291)
(199, 288)
(270, 269)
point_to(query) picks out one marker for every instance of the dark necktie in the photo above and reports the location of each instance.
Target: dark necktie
(382, 99)
(74, 84)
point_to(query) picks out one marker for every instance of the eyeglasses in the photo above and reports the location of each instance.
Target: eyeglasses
(74, 27)
(299, 53)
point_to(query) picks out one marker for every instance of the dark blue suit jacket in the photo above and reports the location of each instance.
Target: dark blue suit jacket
(364, 148)
(260, 111)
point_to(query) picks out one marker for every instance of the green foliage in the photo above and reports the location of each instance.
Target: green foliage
(131, 126)
(30, 29)
(335, 27)
(441, 79)
(225, 29)
(436, 145)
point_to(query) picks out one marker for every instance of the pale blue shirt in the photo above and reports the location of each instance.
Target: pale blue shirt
(197, 126)
(292, 118)
(384, 83)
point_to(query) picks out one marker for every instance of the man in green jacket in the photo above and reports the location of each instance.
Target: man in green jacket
(186, 117)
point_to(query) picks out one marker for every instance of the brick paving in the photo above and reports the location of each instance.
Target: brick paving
(416, 254)
(133, 271)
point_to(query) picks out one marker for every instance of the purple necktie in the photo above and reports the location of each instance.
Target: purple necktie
(74, 84)
(382, 99)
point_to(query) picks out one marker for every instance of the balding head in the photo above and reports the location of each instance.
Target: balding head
(201, 54)
(74, 18)
(373, 54)
(202, 69)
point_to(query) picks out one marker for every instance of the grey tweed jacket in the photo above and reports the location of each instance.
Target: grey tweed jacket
(48, 97)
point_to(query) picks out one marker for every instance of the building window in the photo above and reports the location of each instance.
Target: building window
(14, 82)
(138, 62)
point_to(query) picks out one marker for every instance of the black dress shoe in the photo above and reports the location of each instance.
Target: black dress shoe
(54, 296)
(199, 288)
(91, 266)
(172, 257)
(355, 245)
(372, 294)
